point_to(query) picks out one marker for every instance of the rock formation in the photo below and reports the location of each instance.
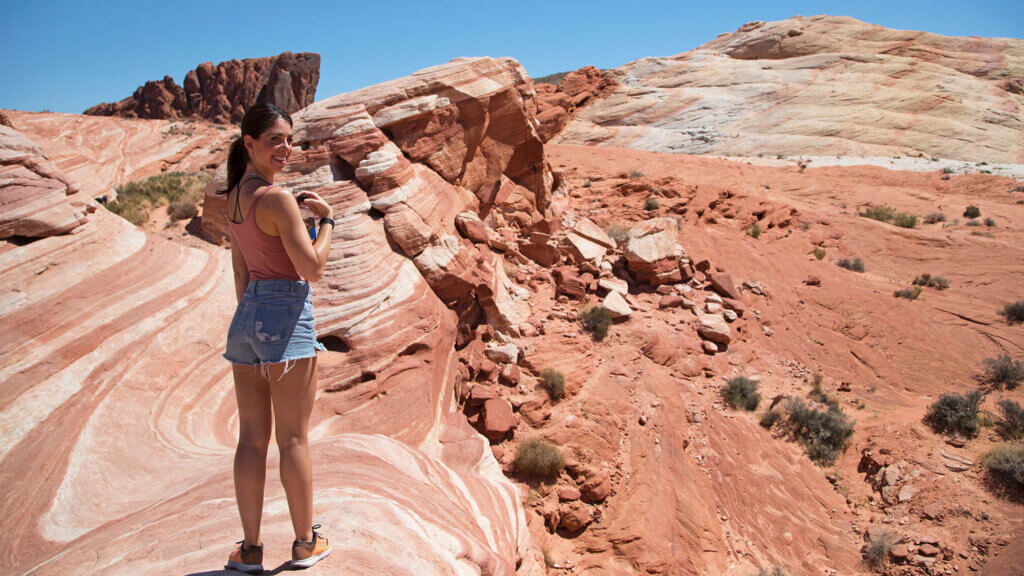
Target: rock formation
(557, 105)
(33, 192)
(222, 93)
(820, 85)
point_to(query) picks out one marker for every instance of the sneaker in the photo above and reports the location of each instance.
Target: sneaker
(305, 554)
(248, 559)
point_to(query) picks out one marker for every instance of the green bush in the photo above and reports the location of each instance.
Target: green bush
(819, 252)
(904, 220)
(881, 213)
(955, 414)
(990, 222)
(182, 210)
(135, 199)
(597, 320)
(1003, 372)
(972, 212)
(876, 553)
(1011, 425)
(554, 381)
(635, 174)
(618, 233)
(948, 170)
(1014, 312)
(934, 217)
(908, 293)
(651, 203)
(857, 265)
(769, 418)
(1006, 461)
(537, 457)
(823, 433)
(741, 392)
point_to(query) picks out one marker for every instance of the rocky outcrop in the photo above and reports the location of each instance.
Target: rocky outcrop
(821, 85)
(652, 252)
(33, 192)
(557, 105)
(223, 92)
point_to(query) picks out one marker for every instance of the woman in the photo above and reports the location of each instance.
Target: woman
(271, 343)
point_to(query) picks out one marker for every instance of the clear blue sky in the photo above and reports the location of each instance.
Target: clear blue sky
(66, 56)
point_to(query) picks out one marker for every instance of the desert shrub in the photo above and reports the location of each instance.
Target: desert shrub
(618, 233)
(1006, 461)
(554, 381)
(1014, 312)
(636, 174)
(537, 457)
(182, 210)
(1003, 372)
(857, 265)
(876, 553)
(990, 222)
(823, 433)
(1011, 424)
(754, 230)
(651, 203)
(741, 392)
(934, 217)
(908, 293)
(135, 199)
(819, 252)
(769, 418)
(955, 414)
(775, 571)
(597, 320)
(948, 170)
(904, 220)
(972, 211)
(973, 223)
(938, 282)
(883, 213)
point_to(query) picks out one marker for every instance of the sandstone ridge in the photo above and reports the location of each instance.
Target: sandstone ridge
(821, 85)
(223, 92)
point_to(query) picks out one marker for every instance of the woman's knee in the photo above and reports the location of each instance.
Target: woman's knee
(256, 442)
(288, 441)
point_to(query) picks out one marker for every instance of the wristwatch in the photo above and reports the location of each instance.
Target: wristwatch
(326, 220)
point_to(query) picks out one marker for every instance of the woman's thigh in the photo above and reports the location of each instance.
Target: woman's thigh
(252, 394)
(293, 391)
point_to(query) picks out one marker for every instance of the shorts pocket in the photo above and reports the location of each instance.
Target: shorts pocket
(275, 323)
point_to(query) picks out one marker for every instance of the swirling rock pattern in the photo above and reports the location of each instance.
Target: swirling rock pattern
(33, 192)
(821, 85)
(116, 398)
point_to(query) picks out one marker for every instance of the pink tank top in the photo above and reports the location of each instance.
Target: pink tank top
(264, 254)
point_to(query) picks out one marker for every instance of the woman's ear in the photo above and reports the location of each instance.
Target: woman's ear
(248, 142)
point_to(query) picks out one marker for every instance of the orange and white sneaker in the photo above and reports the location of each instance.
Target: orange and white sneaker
(305, 554)
(248, 559)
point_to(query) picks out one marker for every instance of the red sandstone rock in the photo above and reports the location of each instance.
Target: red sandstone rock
(558, 104)
(498, 419)
(574, 516)
(223, 92)
(568, 282)
(723, 284)
(596, 487)
(670, 301)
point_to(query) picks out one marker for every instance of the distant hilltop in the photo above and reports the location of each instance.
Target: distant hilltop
(221, 93)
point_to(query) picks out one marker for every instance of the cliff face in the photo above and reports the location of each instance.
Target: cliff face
(820, 85)
(221, 93)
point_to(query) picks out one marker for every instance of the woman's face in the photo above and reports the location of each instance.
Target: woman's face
(270, 152)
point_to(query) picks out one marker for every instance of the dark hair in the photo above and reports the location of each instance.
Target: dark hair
(256, 121)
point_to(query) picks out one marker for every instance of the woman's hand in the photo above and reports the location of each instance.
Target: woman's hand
(317, 205)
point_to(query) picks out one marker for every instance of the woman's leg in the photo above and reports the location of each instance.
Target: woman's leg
(254, 423)
(293, 393)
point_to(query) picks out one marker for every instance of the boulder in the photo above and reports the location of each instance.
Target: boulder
(544, 253)
(587, 229)
(617, 306)
(714, 328)
(613, 285)
(574, 516)
(583, 249)
(471, 227)
(568, 282)
(652, 253)
(568, 494)
(596, 486)
(497, 418)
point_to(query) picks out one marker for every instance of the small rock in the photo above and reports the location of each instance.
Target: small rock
(642, 420)
(729, 316)
(568, 494)
(812, 281)
(928, 550)
(617, 306)
(670, 301)
(709, 347)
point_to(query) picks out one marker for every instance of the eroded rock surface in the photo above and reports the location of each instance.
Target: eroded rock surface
(33, 192)
(223, 92)
(822, 85)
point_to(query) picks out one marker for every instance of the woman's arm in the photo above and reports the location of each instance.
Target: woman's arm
(309, 258)
(239, 266)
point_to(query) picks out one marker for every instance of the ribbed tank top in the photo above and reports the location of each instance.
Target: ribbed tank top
(264, 254)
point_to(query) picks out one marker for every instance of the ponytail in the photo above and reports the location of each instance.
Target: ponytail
(237, 159)
(254, 123)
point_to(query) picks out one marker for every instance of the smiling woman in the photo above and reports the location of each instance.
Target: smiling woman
(271, 342)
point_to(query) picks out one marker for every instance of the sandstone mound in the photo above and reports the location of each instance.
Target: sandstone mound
(222, 93)
(116, 396)
(820, 85)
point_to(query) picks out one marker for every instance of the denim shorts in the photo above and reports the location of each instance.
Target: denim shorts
(273, 323)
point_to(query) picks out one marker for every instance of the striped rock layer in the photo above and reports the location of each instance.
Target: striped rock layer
(821, 85)
(117, 411)
(33, 191)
